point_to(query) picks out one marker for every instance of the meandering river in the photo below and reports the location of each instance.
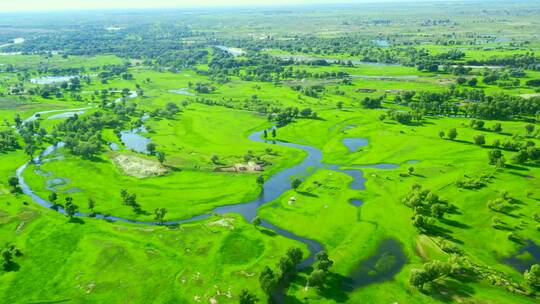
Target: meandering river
(273, 188)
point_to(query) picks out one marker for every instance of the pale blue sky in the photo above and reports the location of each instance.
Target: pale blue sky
(47, 5)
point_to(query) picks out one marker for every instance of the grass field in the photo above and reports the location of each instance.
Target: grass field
(206, 148)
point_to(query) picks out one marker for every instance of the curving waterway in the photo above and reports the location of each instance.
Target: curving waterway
(273, 188)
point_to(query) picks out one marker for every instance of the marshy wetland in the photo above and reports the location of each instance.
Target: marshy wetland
(325, 154)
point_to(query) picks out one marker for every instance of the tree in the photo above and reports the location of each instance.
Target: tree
(418, 278)
(295, 254)
(421, 222)
(274, 132)
(438, 210)
(30, 150)
(260, 180)
(151, 148)
(246, 297)
(479, 140)
(91, 204)
(497, 128)
(529, 128)
(323, 261)
(532, 277)
(160, 157)
(215, 159)
(441, 134)
(473, 82)
(123, 194)
(520, 157)
(339, 105)
(296, 183)
(268, 280)
(256, 221)
(316, 278)
(431, 271)
(411, 170)
(53, 197)
(452, 133)
(494, 156)
(286, 266)
(265, 134)
(70, 208)
(306, 112)
(7, 258)
(160, 214)
(13, 183)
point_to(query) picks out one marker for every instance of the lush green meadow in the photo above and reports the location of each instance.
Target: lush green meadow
(199, 107)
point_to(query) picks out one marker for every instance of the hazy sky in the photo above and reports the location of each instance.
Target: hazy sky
(40, 5)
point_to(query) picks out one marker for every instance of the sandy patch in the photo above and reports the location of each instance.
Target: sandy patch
(137, 166)
(526, 96)
(224, 222)
(249, 167)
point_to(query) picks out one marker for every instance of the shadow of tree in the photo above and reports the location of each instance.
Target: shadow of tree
(446, 291)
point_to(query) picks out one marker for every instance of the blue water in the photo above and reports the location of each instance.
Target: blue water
(353, 144)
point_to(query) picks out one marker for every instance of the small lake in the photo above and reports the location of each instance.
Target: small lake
(14, 41)
(383, 265)
(183, 91)
(356, 202)
(381, 42)
(51, 79)
(353, 144)
(233, 51)
(114, 146)
(40, 114)
(525, 257)
(134, 141)
(66, 114)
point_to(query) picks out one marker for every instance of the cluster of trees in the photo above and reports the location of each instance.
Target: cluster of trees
(372, 103)
(170, 110)
(32, 134)
(525, 152)
(7, 256)
(13, 183)
(502, 204)
(426, 206)
(314, 91)
(251, 104)
(430, 272)
(130, 199)
(204, 88)
(527, 61)
(532, 278)
(271, 281)
(321, 269)
(8, 141)
(472, 182)
(283, 117)
(69, 207)
(402, 117)
(82, 136)
(158, 41)
(470, 103)
(160, 214)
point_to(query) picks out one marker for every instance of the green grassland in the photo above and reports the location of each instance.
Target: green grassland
(90, 260)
